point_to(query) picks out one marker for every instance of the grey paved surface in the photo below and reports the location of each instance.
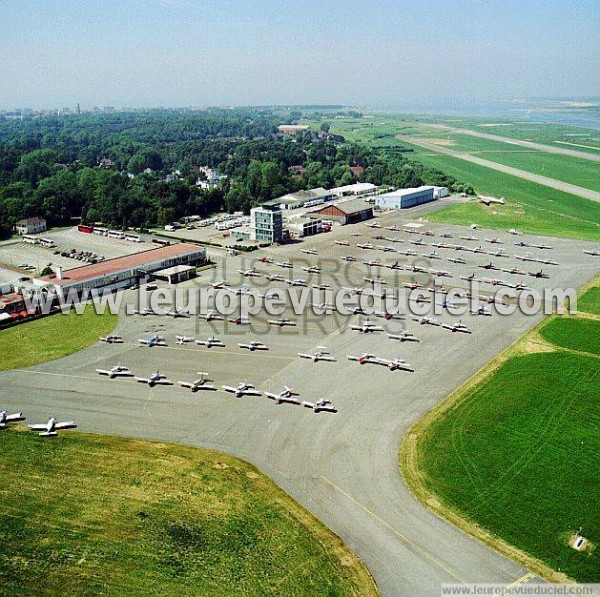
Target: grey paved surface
(343, 467)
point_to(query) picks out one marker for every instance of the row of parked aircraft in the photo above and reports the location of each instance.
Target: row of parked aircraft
(49, 429)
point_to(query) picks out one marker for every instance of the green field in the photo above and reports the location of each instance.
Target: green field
(96, 515)
(530, 207)
(518, 453)
(589, 301)
(52, 337)
(573, 333)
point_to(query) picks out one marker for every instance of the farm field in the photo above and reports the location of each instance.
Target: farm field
(91, 515)
(52, 337)
(518, 453)
(589, 301)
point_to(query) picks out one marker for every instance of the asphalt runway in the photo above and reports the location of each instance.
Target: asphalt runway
(343, 467)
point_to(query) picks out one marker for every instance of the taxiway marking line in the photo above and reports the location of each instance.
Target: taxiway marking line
(404, 539)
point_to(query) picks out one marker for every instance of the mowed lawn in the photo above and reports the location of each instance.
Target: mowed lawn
(519, 455)
(573, 333)
(96, 515)
(589, 301)
(52, 337)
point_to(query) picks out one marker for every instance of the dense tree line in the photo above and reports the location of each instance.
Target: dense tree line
(140, 168)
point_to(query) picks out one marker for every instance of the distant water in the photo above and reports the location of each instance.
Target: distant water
(574, 112)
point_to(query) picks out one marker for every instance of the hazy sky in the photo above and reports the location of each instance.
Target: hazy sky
(184, 52)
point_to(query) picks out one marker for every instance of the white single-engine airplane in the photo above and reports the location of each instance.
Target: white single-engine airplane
(248, 273)
(243, 389)
(220, 284)
(282, 322)
(199, 384)
(156, 378)
(287, 395)
(321, 354)
(254, 345)
(52, 427)
(210, 315)
(403, 336)
(309, 251)
(457, 327)
(322, 405)
(116, 371)
(181, 340)
(5, 418)
(366, 327)
(210, 342)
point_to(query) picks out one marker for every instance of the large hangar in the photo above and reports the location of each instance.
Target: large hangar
(405, 198)
(345, 212)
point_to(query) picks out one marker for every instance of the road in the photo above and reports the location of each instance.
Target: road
(559, 185)
(574, 153)
(343, 467)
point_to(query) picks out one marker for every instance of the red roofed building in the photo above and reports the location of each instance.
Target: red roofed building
(124, 271)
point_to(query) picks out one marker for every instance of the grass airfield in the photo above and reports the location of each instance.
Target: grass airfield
(101, 515)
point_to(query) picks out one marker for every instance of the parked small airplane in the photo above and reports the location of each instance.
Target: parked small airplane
(592, 252)
(199, 384)
(245, 289)
(343, 243)
(287, 395)
(5, 418)
(349, 258)
(426, 321)
(489, 265)
(408, 253)
(156, 378)
(177, 313)
(419, 242)
(375, 280)
(275, 278)
(52, 427)
(312, 269)
(240, 321)
(210, 342)
(248, 273)
(488, 199)
(181, 340)
(321, 354)
(366, 327)
(396, 364)
(514, 271)
(322, 286)
(253, 345)
(440, 273)
(373, 263)
(296, 282)
(243, 389)
(145, 311)
(457, 327)
(284, 264)
(266, 259)
(403, 336)
(470, 237)
(457, 260)
(539, 274)
(310, 251)
(323, 308)
(365, 246)
(432, 255)
(388, 315)
(115, 371)
(220, 284)
(362, 359)
(210, 315)
(154, 340)
(387, 249)
(541, 246)
(322, 405)
(481, 310)
(281, 322)
(111, 339)
(374, 225)
(393, 227)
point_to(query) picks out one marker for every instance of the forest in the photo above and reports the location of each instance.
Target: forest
(139, 169)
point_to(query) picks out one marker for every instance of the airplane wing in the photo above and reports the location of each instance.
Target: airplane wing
(65, 425)
(230, 389)
(185, 384)
(40, 427)
(142, 379)
(121, 373)
(304, 355)
(164, 382)
(325, 357)
(15, 417)
(103, 371)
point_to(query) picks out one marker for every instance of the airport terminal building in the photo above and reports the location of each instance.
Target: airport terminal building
(122, 272)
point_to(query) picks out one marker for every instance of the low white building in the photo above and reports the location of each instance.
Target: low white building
(302, 226)
(302, 199)
(31, 226)
(213, 178)
(363, 189)
(440, 192)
